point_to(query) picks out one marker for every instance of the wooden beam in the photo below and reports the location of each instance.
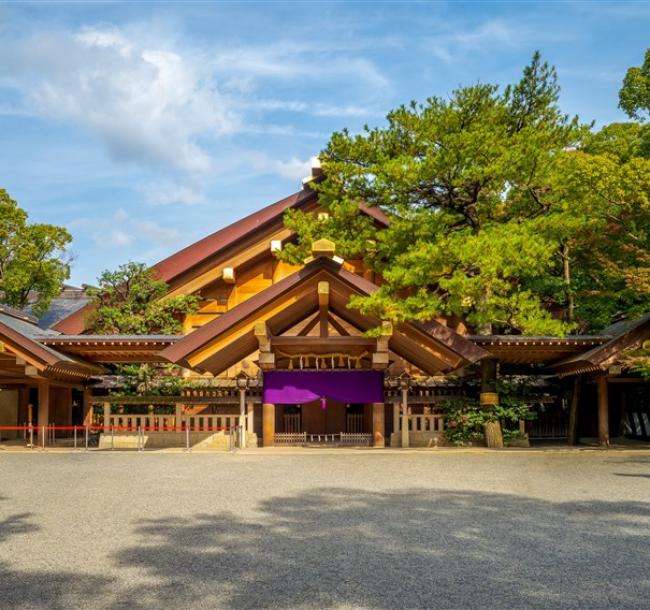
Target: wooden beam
(323, 307)
(263, 336)
(338, 327)
(215, 271)
(309, 326)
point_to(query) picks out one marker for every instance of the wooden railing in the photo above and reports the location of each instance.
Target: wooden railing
(344, 439)
(149, 422)
(356, 440)
(431, 422)
(290, 438)
(162, 423)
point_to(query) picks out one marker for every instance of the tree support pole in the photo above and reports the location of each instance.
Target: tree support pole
(489, 399)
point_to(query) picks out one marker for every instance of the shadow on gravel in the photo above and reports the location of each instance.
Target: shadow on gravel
(334, 548)
(36, 589)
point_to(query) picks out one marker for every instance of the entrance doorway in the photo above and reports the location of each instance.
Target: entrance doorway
(335, 418)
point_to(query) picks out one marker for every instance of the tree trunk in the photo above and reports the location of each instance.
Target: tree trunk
(493, 435)
(572, 429)
(489, 399)
(568, 290)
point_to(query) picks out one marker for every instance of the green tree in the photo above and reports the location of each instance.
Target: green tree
(634, 96)
(465, 181)
(32, 258)
(603, 198)
(130, 301)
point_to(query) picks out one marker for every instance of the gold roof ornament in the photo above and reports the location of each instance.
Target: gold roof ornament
(324, 247)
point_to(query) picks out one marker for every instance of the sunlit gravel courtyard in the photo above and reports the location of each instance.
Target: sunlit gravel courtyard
(325, 529)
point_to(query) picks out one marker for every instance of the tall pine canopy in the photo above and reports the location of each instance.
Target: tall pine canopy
(503, 209)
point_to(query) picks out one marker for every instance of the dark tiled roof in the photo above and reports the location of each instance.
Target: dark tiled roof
(23, 323)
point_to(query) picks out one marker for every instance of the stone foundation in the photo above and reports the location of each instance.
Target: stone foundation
(217, 441)
(419, 439)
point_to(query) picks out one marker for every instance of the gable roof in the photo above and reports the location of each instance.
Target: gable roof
(628, 334)
(229, 338)
(45, 359)
(217, 244)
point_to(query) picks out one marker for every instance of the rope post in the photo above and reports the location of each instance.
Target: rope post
(112, 438)
(75, 437)
(86, 426)
(187, 438)
(43, 436)
(31, 436)
(140, 439)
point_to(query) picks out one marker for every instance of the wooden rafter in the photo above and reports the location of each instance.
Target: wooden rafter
(337, 326)
(309, 326)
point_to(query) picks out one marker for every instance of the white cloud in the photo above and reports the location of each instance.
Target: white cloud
(121, 230)
(290, 60)
(146, 103)
(152, 100)
(461, 40)
(292, 169)
(169, 193)
(314, 108)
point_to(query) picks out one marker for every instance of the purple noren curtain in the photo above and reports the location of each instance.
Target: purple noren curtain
(298, 387)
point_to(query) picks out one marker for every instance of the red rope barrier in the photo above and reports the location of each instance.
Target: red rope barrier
(124, 428)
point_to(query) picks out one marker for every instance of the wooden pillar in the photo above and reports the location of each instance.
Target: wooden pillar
(107, 415)
(178, 416)
(43, 409)
(378, 427)
(405, 419)
(87, 407)
(572, 426)
(65, 409)
(396, 417)
(268, 424)
(242, 418)
(603, 411)
(250, 424)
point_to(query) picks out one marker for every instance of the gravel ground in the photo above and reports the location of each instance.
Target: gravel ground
(325, 529)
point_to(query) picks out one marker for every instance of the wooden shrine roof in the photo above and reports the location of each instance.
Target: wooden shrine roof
(22, 355)
(230, 338)
(201, 255)
(629, 334)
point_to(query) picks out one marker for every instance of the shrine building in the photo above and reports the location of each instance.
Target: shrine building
(275, 350)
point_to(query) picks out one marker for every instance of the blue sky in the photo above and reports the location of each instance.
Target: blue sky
(143, 127)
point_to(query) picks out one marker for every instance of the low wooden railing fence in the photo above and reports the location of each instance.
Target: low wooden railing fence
(162, 423)
(430, 422)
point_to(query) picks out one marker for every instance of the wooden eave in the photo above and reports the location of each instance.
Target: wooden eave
(18, 348)
(602, 356)
(113, 348)
(230, 338)
(517, 349)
